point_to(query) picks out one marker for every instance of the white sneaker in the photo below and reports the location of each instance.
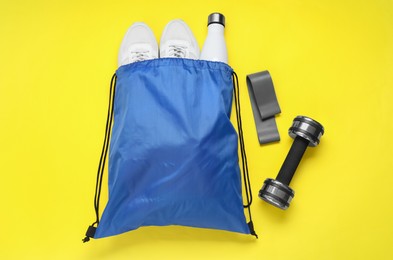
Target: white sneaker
(178, 41)
(138, 44)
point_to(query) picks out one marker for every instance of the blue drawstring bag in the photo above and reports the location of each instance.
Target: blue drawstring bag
(173, 156)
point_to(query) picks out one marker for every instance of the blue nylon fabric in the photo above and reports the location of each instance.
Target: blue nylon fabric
(173, 154)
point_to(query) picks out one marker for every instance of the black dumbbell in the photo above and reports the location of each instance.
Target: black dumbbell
(306, 132)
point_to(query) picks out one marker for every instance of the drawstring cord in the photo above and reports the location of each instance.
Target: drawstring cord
(246, 176)
(101, 166)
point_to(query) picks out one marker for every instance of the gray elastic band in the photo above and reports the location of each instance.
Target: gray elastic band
(264, 106)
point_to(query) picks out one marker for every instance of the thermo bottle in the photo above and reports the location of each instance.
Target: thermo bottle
(214, 48)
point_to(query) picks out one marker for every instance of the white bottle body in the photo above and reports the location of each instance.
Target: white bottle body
(214, 48)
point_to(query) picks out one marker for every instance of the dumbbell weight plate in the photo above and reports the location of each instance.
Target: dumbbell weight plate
(276, 193)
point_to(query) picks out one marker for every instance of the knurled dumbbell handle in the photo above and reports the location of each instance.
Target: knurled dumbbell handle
(292, 160)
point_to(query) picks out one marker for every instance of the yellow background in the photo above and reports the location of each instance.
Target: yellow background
(330, 60)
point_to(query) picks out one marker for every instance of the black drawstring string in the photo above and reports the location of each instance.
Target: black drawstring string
(91, 230)
(246, 177)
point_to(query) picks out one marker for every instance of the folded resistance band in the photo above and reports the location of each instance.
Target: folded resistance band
(264, 106)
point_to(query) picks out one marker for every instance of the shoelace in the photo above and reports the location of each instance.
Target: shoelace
(177, 51)
(139, 56)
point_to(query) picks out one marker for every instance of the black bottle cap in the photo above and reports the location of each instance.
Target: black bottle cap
(216, 18)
